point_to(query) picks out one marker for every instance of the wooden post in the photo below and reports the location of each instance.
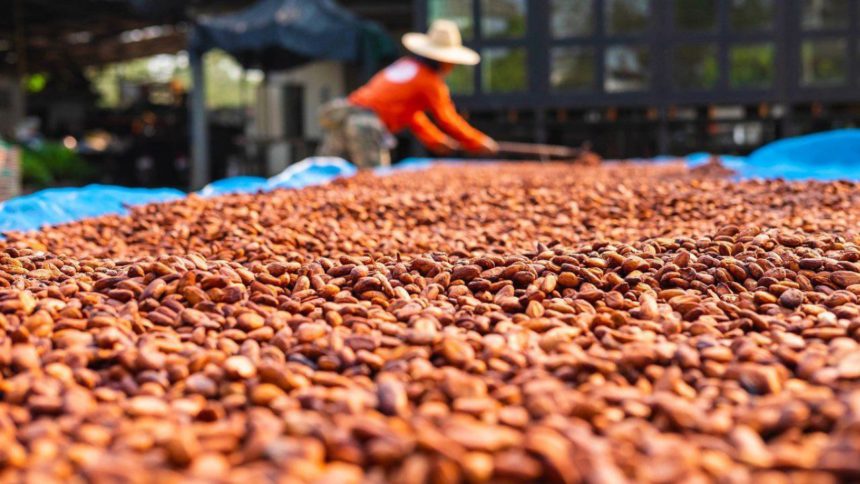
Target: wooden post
(199, 123)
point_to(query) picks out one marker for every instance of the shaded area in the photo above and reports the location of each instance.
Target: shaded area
(282, 34)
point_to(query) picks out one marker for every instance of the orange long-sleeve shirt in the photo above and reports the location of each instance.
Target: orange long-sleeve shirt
(402, 95)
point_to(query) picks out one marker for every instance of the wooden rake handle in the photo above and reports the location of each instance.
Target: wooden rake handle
(538, 150)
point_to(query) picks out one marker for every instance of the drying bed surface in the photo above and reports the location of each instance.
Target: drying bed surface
(504, 323)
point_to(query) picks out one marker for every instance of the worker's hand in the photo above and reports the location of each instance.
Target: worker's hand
(446, 147)
(488, 146)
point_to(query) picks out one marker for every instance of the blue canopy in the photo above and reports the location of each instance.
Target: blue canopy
(281, 34)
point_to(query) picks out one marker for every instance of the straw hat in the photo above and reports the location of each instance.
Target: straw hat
(442, 43)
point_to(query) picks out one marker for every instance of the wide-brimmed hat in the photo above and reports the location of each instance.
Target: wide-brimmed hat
(442, 43)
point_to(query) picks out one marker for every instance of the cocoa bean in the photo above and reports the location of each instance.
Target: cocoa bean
(508, 322)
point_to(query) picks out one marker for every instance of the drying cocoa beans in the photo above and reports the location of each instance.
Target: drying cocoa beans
(498, 323)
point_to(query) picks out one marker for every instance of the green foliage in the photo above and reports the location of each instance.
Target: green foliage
(33, 170)
(106, 81)
(572, 68)
(824, 62)
(829, 70)
(572, 18)
(628, 16)
(504, 70)
(460, 11)
(829, 14)
(224, 81)
(36, 83)
(223, 78)
(752, 65)
(462, 80)
(751, 15)
(51, 163)
(503, 18)
(696, 67)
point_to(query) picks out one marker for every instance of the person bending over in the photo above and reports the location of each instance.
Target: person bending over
(360, 128)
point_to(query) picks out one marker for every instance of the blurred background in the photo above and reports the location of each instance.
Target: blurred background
(103, 90)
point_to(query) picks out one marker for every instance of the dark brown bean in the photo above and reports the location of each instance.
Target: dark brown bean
(510, 323)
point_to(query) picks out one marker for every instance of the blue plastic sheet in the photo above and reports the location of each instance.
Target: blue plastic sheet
(825, 156)
(236, 184)
(59, 205)
(833, 155)
(308, 172)
(311, 172)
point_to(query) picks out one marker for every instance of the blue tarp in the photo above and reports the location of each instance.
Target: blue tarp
(59, 205)
(833, 155)
(308, 172)
(236, 184)
(825, 156)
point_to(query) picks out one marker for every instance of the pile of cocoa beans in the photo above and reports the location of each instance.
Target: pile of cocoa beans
(486, 323)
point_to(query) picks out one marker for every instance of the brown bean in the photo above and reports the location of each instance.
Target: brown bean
(510, 322)
(240, 367)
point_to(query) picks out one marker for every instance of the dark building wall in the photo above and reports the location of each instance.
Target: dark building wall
(638, 77)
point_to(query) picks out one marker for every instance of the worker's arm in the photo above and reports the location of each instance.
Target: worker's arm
(443, 110)
(429, 135)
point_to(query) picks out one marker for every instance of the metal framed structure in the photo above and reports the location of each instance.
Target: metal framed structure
(47, 35)
(788, 38)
